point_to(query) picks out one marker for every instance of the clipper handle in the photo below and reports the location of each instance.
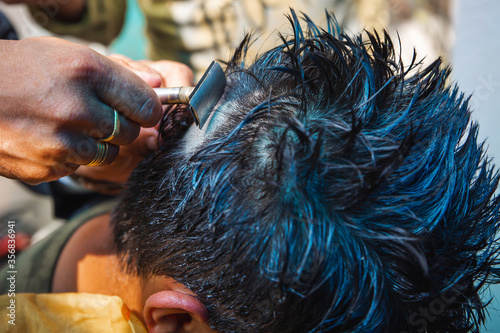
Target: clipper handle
(177, 95)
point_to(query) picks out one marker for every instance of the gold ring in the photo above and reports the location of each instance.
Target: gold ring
(100, 156)
(116, 128)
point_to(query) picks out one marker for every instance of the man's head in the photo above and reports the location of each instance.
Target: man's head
(334, 189)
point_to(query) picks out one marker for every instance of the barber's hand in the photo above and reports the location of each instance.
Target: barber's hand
(156, 74)
(57, 100)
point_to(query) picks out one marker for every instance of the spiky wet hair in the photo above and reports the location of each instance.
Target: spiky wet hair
(337, 190)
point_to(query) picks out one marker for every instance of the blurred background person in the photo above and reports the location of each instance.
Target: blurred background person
(195, 32)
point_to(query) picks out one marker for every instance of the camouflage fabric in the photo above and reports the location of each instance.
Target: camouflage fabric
(197, 31)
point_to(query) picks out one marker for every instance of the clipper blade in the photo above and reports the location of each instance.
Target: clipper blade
(202, 98)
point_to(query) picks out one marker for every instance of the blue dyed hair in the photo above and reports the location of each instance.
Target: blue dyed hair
(336, 191)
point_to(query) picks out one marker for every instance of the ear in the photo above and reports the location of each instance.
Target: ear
(171, 311)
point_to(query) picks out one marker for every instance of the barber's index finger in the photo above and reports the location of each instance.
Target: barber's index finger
(130, 95)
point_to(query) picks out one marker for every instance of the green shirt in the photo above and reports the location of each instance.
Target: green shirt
(34, 267)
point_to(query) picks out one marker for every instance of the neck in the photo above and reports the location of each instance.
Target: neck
(89, 264)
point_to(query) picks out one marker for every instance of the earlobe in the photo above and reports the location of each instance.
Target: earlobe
(166, 312)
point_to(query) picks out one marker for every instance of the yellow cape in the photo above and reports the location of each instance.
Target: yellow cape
(68, 312)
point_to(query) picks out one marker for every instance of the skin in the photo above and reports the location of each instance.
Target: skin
(68, 93)
(162, 73)
(65, 93)
(55, 106)
(65, 138)
(88, 264)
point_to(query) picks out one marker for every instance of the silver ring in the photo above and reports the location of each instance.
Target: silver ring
(116, 128)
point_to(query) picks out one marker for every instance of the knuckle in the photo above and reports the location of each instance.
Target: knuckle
(59, 150)
(81, 150)
(185, 71)
(71, 168)
(84, 64)
(181, 70)
(58, 171)
(175, 73)
(39, 174)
